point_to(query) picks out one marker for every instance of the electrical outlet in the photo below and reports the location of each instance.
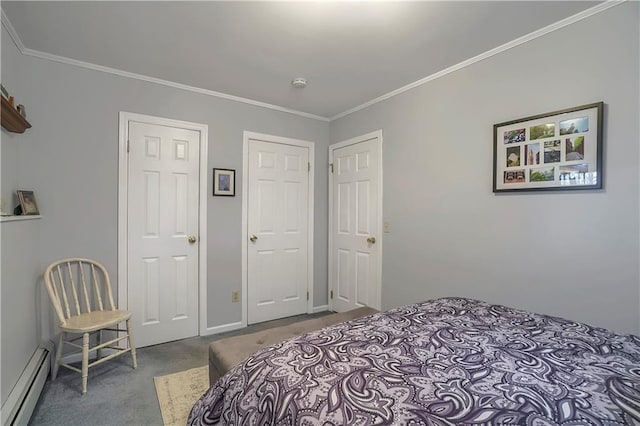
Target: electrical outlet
(235, 296)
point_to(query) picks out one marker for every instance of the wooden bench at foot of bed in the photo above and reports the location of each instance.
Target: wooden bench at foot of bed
(225, 353)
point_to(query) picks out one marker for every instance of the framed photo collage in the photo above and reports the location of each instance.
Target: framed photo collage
(554, 151)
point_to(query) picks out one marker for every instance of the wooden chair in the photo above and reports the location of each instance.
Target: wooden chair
(80, 291)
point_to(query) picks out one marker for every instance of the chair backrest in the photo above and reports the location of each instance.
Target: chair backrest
(77, 286)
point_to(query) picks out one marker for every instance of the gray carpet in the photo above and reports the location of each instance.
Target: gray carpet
(120, 395)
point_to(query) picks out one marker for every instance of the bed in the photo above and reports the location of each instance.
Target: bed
(442, 362)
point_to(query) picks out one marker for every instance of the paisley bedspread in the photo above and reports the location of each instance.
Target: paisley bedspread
(443, 362)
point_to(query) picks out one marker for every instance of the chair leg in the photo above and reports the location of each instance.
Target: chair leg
(131, 344)
(85, 361)
(56, 363)
(99, 342)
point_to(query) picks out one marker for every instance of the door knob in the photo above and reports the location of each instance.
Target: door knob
(371, 240)
(192, 239)
(253, 238)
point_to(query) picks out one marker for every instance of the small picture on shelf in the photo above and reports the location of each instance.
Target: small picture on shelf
(28, 203)
(4, 91)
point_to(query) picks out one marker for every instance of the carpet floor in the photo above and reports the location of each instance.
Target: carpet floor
(120, 395)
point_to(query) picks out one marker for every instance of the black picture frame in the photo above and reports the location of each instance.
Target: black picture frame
(555, 151)
(224, 182)
(28, 203)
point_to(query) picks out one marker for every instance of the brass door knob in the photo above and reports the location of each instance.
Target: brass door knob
(253, 238)
(371, 240)
(192, 239)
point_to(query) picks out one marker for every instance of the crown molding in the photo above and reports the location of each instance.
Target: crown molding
(489, 53)
(601, 7)
(87, 65)
(175, 85)
(12, 31)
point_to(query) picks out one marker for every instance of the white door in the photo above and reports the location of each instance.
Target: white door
(277, 225)
(163, 176)
(354, 270)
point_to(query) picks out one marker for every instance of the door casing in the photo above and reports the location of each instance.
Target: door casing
(245, 213)
(123, 182)
(377, 134)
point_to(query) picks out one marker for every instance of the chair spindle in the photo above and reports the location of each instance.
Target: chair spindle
(84, 288)
(95, 284)
(74, 292)
(64, 293)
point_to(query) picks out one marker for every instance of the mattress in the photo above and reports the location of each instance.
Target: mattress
(449, 361)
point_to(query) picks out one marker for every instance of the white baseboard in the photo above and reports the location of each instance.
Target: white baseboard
(320, 308)
(238, 325)
(22, 399)
(223, 328)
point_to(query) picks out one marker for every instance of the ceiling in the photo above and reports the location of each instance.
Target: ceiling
(350, 52)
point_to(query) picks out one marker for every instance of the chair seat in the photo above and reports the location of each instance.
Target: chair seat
(92, 321)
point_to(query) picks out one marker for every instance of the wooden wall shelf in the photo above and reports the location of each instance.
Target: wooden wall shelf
(11, 118)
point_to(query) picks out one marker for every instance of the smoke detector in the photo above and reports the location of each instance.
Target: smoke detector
(299, 83)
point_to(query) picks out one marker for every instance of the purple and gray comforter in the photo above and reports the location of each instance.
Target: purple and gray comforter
(443, 362)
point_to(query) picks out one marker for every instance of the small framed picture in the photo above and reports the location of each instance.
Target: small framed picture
(28, 203)
(224, 182)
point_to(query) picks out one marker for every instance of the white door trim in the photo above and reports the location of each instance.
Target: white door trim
(377, 134)
(245, 213)
(123, 285)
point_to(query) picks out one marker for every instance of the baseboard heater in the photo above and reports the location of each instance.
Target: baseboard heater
(20, 403)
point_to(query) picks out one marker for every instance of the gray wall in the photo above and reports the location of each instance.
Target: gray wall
(573, 254)
(20, 287)
(69, 157)
(21, 298)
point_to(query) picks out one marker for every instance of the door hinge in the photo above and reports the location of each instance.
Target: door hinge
(331, 294)
(127, 145)
(331, 167)
(307, 295)
(308, 167)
